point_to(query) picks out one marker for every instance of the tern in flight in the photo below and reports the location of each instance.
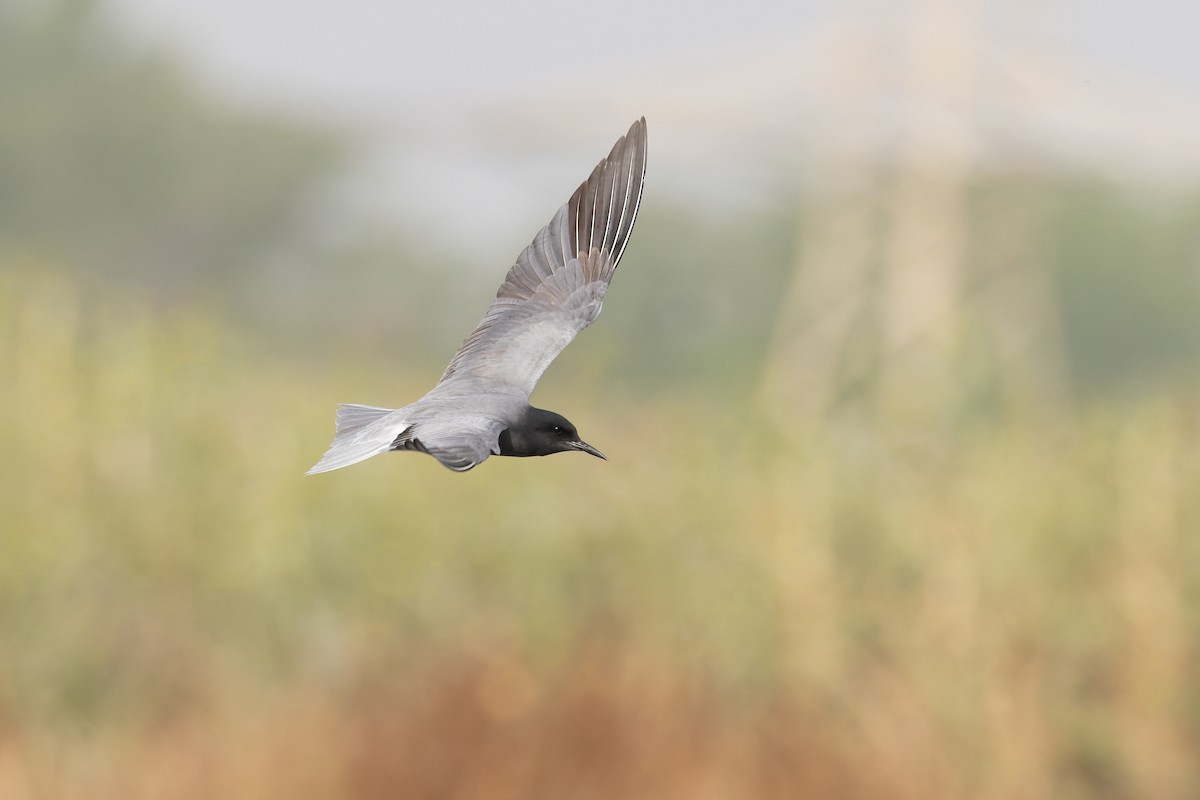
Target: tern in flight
(480, 407)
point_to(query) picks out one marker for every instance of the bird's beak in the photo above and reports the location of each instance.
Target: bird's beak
(587, 448)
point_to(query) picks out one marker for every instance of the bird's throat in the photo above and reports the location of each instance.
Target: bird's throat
(506, 444)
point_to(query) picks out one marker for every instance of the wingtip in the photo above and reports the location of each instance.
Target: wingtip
(637, 131)
(635, 137)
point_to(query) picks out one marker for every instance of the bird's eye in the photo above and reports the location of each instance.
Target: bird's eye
(558, 429)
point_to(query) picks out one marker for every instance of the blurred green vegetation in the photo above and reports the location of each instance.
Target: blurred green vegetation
(1014, 591)
(1128, 279)
(868, 609)
(112, 161)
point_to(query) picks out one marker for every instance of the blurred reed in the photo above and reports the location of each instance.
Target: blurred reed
(1002, 610)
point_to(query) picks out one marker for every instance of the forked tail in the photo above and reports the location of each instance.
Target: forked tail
(361, 432)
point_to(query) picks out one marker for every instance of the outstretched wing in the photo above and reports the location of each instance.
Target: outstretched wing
(558, 283)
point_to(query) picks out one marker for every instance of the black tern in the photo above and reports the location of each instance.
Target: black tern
(480, 407)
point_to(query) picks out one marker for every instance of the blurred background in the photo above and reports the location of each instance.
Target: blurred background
(899, 381)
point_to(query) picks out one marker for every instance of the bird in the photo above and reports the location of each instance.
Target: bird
(480, 406)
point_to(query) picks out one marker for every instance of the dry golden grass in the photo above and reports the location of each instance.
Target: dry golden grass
(1009, 611)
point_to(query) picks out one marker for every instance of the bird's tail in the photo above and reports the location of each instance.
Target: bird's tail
(361, 433)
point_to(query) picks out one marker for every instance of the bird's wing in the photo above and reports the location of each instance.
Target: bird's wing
(558, 283)
(460, 442)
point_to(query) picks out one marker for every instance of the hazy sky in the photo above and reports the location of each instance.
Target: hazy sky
(365, 55)
(463, 103)
(370, 56)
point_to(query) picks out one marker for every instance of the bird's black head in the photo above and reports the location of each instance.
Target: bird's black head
(540, 433)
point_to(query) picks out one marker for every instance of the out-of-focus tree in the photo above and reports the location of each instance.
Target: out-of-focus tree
(114, 161)
(1129, 286)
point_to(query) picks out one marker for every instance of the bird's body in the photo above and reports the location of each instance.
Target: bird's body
(480, 407)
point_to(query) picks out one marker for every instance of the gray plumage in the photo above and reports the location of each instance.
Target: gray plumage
(480, 407)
